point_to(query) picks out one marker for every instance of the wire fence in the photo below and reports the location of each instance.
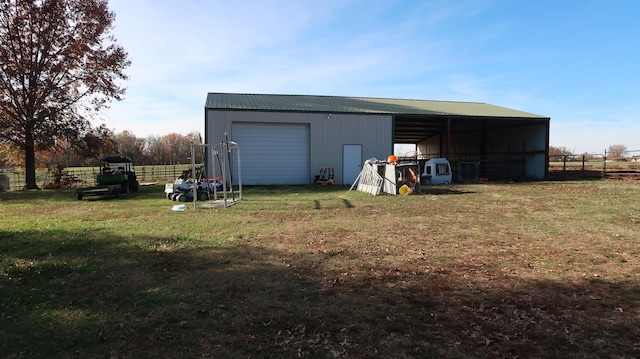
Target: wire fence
(14, 178)
(570, 166)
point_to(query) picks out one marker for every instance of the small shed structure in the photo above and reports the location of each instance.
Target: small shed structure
(286, 139)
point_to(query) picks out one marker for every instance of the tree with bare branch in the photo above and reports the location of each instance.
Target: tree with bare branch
(58, 68)
(616, 152)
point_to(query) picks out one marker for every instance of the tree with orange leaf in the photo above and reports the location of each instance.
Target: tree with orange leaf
(58, 68)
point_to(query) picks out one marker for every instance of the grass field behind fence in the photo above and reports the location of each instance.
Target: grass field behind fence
(547, 269)
(167, 173)
(86, 175)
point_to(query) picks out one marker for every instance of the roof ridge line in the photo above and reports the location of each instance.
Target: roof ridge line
(345, 97)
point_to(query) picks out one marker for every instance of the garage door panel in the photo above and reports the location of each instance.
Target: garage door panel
(273, 153)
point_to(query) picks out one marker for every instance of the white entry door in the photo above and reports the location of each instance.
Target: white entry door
(351, 162)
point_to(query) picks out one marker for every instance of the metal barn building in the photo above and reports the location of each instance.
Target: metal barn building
(286, 139)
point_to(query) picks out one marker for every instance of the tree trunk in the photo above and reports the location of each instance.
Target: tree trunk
(30, 163)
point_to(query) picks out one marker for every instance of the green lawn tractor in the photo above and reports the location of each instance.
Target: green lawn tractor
(117, 176)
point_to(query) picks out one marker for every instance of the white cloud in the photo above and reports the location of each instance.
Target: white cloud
(595, 130)
(463, 51)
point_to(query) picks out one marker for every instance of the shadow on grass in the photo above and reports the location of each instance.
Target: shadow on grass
(79, 294)
(347, 204)
(57, 195)
(434, 190)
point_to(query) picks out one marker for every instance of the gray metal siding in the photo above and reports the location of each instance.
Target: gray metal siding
(373, 132)
(327, 135)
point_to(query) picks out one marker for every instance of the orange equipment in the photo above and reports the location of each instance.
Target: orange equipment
(325, 177)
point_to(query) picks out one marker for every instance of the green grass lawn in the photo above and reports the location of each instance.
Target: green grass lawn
(542, 269)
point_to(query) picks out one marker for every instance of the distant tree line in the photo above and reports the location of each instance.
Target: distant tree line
(169, 149)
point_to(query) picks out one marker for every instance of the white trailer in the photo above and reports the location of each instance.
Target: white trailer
(436, 171)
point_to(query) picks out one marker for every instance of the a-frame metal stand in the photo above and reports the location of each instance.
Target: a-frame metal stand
(219, 162)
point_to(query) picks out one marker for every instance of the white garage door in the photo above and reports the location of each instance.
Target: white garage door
(273, 153)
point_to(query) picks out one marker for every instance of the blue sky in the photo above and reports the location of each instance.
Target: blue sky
(577, 62)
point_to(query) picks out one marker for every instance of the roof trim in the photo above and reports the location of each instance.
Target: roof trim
(358, 105)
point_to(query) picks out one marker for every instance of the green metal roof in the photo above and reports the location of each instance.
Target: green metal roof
(338, 104)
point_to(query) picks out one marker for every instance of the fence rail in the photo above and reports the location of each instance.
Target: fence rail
(567, 166)
(574, 167)
(571, 166)
(86, 176)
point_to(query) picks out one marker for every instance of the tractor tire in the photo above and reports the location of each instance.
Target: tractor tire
(183, 198)
(124, 186)
(134, 185)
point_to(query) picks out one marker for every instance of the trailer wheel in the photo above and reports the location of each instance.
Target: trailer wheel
(169, 195)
